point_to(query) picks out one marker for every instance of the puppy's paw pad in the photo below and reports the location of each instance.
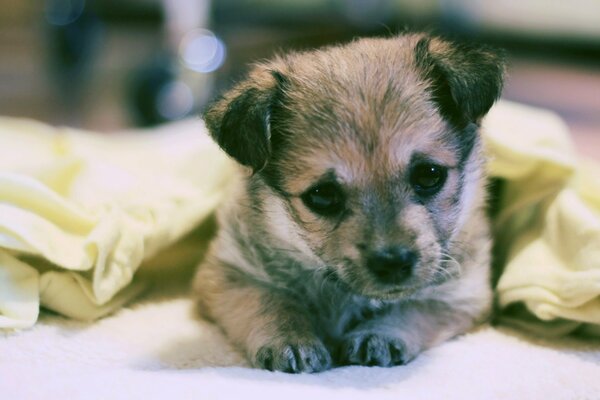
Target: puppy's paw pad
(294, 358)
(373, 350)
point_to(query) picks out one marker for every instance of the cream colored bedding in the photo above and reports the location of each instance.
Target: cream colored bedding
(80, 212)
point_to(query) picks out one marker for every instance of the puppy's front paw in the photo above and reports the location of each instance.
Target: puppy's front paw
(301, 356)
(373, 349)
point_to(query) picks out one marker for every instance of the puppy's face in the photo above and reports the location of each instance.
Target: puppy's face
(368, 153)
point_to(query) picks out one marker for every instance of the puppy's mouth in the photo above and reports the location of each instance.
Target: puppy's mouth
(366, 287)
(365, 284)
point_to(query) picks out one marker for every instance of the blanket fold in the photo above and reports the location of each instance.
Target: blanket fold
(547, 230)
(80, 212)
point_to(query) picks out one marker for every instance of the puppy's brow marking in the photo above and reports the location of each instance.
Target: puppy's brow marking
(419, 157)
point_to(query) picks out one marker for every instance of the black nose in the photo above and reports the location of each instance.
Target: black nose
(392, 264)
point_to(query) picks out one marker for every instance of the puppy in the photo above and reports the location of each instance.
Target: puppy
(361, 236)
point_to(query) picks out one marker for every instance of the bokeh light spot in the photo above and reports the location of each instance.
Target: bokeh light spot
(202, 51)
(63, 12)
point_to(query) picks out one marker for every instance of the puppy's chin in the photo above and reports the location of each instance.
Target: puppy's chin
(386, 293)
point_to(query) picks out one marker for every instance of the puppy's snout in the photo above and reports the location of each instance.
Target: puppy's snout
(392, 264)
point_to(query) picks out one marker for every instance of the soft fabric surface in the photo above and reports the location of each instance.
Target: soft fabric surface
(547, 229)
(79, 212)
(157, 349)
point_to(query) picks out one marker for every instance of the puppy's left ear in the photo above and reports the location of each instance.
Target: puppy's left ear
(465, 80)
(239, 121)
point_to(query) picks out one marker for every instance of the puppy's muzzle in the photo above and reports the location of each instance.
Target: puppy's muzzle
(392, 265)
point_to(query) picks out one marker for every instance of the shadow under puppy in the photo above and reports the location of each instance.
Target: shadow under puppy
(361, 235)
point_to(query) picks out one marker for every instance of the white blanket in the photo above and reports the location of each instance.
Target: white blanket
(157, 349)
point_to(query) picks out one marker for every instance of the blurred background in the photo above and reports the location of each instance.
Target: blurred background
(112, 64)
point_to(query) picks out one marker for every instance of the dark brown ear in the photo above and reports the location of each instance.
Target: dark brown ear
(239, 120)
(465, 80)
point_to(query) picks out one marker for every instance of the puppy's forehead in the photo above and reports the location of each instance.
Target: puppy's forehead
(361, 115)
(367, 86)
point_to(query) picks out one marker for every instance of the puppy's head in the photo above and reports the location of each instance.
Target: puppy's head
(366, 156)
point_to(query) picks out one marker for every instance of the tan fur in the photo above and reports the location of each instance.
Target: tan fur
(291, 286)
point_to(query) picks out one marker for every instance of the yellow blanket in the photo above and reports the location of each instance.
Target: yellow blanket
(80, 212)
(547, 230)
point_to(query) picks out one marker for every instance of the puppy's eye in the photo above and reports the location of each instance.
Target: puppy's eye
(428, 178)
(324, 199)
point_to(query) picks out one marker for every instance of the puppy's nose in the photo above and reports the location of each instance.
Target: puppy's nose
(392, 264)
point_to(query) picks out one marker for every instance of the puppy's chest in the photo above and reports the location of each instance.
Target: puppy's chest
(332, 307)
(334, 311)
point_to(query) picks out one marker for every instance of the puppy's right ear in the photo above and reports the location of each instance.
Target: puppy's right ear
(239, 120)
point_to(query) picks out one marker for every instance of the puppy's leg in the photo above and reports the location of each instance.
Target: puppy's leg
(276, 333)
(399, 335)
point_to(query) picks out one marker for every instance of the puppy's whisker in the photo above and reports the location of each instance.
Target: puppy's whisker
(443, 274)
(448, 259)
